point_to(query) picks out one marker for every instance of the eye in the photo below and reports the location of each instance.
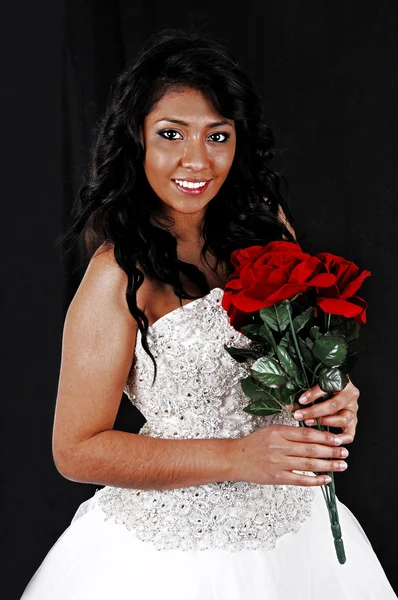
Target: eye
(168, 134)
(167, 131)
(226, 137)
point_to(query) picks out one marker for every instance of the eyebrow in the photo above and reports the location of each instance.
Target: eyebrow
(178, 122)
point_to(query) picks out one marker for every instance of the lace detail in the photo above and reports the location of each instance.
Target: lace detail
(197, 394)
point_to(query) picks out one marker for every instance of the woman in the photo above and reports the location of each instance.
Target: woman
(206, 501)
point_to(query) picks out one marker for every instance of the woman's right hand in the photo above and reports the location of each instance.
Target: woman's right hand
(269, 455)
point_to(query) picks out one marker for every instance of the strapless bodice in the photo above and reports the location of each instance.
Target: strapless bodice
(197, 394)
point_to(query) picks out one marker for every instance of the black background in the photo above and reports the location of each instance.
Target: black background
(328, 75)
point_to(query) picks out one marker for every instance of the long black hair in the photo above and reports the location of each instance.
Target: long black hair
(115, 204)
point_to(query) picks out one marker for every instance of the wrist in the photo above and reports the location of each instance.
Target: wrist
(232, 450)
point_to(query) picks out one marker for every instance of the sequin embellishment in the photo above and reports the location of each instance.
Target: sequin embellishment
(197, 394)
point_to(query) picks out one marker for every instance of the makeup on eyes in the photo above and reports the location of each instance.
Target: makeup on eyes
(224, 133)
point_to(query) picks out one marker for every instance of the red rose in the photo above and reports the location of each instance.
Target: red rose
(339, 299)
(266, 275)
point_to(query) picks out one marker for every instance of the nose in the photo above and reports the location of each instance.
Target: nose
(195, 156)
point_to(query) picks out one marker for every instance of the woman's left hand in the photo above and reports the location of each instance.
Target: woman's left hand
(339, 411)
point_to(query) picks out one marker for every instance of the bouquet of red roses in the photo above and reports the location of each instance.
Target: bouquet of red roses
(304, 313)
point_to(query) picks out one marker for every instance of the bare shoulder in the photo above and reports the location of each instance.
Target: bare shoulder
(282, 217)
(105, 269)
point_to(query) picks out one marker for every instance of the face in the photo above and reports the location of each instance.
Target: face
(186, 140)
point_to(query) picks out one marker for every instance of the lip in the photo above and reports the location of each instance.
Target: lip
(191, 191)
(191, 180)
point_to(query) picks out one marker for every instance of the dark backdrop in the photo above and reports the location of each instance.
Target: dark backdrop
(328, 75)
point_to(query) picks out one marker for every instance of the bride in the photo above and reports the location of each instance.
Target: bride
(207, 501)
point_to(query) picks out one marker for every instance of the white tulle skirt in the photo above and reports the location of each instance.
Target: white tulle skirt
(102, 560)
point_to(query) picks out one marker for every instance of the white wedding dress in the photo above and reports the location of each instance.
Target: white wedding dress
(220, 541)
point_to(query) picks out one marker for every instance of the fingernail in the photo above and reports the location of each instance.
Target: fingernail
(310, 422)
(338, 440)
(298, 415)
(303, 399)
(328, 479)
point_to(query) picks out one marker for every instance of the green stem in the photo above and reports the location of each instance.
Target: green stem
(327, 321)
(297, 346)
(335, 523)
(328, 490)
(329, 495)
(315, 373)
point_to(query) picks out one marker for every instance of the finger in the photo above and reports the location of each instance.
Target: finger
(308, 434)
(351, 428)
(316, 465)
(310, 450)
(327, 407)
(346, 438)
(311, 395)
(315, 392)
(303, 479)
(292, 407)
(342, 419)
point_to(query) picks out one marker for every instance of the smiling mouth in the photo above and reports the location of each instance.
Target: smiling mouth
(192, 191)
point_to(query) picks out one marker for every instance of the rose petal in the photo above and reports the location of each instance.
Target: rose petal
(323, 280)
(304, 270)
(245, 302)
(285, 293)
(339, 307)
(354, 285)
(233, 284)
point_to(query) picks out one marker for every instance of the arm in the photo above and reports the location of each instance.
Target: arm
(282, 217)
(97, 352)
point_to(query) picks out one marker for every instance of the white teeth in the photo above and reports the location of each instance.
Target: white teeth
(189, 184)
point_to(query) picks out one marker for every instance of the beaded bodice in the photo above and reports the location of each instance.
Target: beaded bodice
(197, 394)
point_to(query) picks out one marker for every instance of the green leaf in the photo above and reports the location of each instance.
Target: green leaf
(267, 335)
(276, 316)
(240, 354)
(254, 390)
(303, 319)
(347, 327)
(301, 380)
(287, 393)
(315, 333)
(349, 363)
(269, 372)
(332, 380)
(286, 361)
(252, 331)
(309, 343)
(333, 332)
(306, 353)
(263, 407)
(350, 330)
(330, 350)
(286, 339)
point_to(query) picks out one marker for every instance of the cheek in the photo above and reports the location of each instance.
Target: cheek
(158, 162)
(224, 160)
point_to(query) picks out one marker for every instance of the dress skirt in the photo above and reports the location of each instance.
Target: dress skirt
(99, 559)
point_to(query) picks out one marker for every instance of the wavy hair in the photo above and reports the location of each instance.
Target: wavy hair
(115, 204)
